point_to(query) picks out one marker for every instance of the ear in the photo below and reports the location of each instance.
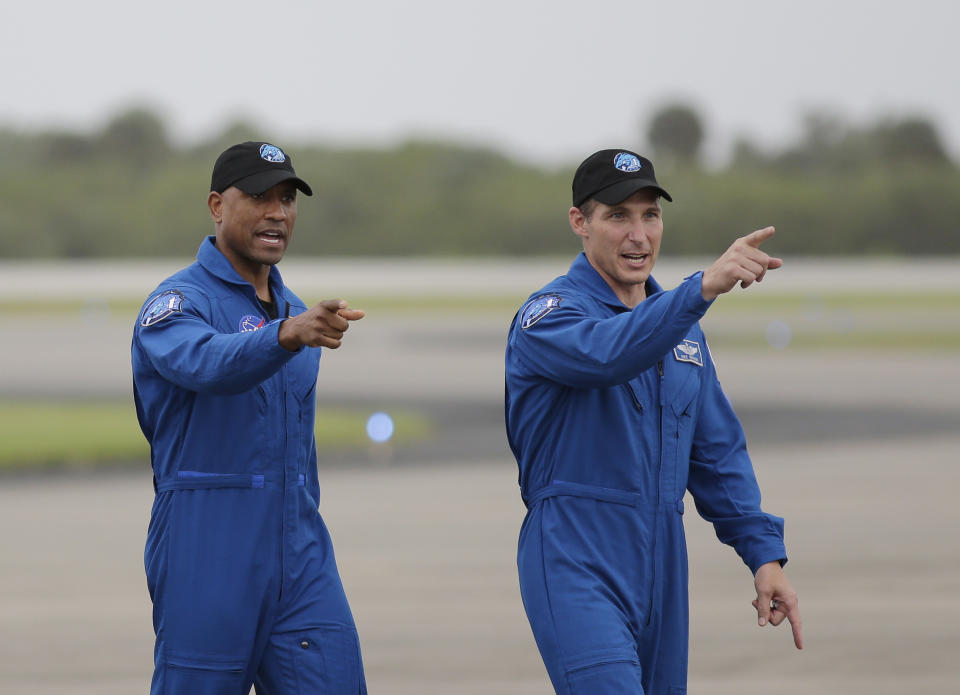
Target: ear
(215, 203)
(578, 222)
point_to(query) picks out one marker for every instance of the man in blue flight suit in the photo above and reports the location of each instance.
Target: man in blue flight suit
(613, 411)
(239, 564)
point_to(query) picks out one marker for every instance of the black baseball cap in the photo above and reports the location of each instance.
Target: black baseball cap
(254, 167)
(612, 176)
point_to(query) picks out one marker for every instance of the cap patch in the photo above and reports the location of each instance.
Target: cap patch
(625, 161)
(250, 323)
(689, 351)
(537, 309)
(161, 306)
(272, 153)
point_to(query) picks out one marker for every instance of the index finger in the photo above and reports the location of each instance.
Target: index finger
(797, 626)
(333, 305)
(756, 238)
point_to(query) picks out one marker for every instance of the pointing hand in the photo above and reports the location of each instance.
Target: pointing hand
(743, 262)
(321, 325)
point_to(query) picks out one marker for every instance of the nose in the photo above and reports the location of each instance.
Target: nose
(637, 233)
(276, 210)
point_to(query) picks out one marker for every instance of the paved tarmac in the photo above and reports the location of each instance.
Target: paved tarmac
(427, 556)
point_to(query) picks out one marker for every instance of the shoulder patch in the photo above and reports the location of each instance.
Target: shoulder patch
(689, 351)
(537, 309)
(162, 306)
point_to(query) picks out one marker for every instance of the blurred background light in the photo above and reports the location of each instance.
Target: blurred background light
(380, 427)
(778, 334)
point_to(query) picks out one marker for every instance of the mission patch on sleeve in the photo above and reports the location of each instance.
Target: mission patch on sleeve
(537, 309)
(162, 306)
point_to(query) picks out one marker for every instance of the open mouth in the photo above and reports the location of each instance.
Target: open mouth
(635, 258)
(270, 237)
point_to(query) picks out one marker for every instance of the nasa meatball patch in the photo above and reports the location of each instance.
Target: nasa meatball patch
(162, 306)
(537, 309)
(251, 323)
(689, 351)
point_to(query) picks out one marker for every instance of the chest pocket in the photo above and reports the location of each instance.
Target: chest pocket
(302, 374)
(301, 379)
(680, 388)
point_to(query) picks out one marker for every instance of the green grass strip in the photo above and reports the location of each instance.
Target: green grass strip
(43, 434)
(81, 434)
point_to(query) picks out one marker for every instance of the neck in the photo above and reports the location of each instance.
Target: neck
(633, 296)
(629, 294)
(259, 278)
(257, 274)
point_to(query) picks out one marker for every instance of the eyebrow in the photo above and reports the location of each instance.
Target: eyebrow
(624, 208)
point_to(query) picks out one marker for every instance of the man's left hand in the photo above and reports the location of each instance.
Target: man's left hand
(777, 600)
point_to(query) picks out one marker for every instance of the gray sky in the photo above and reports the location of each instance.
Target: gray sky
(546, 81)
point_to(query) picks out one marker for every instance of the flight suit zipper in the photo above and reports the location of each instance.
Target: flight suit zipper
(656, 513)
(660, 429)
(283, 467)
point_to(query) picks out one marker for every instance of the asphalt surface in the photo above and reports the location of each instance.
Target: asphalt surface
(427, 557)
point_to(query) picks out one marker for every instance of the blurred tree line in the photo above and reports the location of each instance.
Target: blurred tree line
(886, 187)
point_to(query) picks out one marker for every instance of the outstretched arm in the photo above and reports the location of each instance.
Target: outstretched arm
(571, 345)
(177, 339)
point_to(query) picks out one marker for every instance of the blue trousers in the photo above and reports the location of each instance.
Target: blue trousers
(246, 593)
(604, 586)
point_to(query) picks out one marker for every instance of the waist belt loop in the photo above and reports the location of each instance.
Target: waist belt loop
(561, 488)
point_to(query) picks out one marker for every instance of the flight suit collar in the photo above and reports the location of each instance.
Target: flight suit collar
(586, 277)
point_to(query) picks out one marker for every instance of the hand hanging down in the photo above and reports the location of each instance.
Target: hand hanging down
(777, 600)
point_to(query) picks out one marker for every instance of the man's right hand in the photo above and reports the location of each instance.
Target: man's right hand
(743, 262)
(322, 325)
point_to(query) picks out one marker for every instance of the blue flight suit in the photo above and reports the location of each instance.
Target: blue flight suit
(612, 415)
(239, 563)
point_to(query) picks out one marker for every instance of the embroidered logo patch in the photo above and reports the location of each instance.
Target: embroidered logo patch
(250, 323)
(626, 162)
(161, 306)
(689, 351)
(537, 309)
(272, 153)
